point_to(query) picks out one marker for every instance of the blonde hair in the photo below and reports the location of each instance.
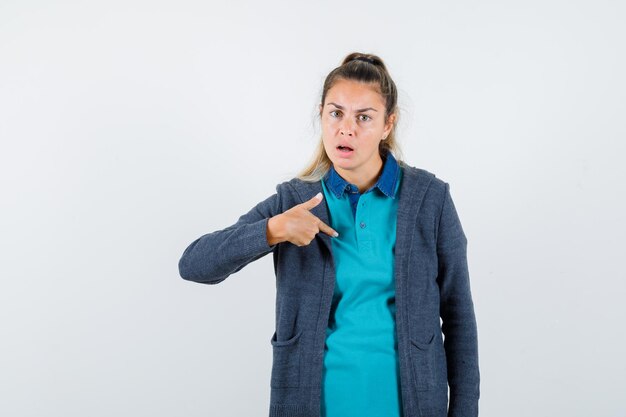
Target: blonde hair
(366, 68)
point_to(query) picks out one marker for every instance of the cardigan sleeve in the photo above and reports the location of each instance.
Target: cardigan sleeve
(211, 258)
(457, 313)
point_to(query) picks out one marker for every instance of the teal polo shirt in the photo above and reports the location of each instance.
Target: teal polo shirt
(360, 373)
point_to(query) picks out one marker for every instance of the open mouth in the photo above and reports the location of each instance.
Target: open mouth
(345, 149)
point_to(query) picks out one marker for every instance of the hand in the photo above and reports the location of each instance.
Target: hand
(297, 225)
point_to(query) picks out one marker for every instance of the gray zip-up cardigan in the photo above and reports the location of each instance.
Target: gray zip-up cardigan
(431, 279)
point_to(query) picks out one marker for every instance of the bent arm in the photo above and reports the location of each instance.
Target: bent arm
(211, 258)
(457, 313)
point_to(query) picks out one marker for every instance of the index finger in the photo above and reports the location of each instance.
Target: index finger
(327, 229)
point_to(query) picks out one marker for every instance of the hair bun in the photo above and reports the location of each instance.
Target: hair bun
(369, 58)
(365, 59)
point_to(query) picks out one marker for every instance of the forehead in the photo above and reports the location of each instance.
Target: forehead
(354, 93)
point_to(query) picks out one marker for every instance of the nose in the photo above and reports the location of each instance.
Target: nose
(347, 127)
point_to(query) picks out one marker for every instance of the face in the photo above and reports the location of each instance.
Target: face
(353, 124)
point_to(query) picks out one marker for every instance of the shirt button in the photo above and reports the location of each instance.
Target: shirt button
(362, 225)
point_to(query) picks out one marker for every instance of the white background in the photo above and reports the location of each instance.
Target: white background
(130, 128)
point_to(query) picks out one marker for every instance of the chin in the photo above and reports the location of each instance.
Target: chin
(343, 164)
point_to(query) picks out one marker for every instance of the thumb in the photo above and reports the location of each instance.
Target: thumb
(313, 201)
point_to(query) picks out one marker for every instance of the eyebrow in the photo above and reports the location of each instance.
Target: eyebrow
(360, 110)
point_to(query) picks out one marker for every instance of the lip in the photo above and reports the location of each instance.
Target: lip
(344, 154)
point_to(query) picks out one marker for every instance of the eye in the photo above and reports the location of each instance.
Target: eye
(334, 111)
(366, 117)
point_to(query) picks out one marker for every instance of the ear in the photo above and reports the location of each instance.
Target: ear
(389, 125)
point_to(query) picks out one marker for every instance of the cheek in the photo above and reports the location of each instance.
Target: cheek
(328, 121)
(374, 128)
(325, 142)
(328, 130)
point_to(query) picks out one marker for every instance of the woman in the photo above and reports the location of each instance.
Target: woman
(368, 282)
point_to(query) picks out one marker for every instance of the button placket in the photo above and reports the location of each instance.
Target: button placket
(362, 221)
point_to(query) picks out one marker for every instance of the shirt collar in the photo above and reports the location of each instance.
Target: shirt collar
(386, 182)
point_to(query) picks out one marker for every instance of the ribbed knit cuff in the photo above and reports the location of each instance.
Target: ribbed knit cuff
(256, 237)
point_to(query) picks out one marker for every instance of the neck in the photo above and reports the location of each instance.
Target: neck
(365, 178)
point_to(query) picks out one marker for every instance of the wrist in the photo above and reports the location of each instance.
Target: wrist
(275, 231)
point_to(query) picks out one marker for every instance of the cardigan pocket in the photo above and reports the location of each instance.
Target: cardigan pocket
(286, 362)
(422, 357)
